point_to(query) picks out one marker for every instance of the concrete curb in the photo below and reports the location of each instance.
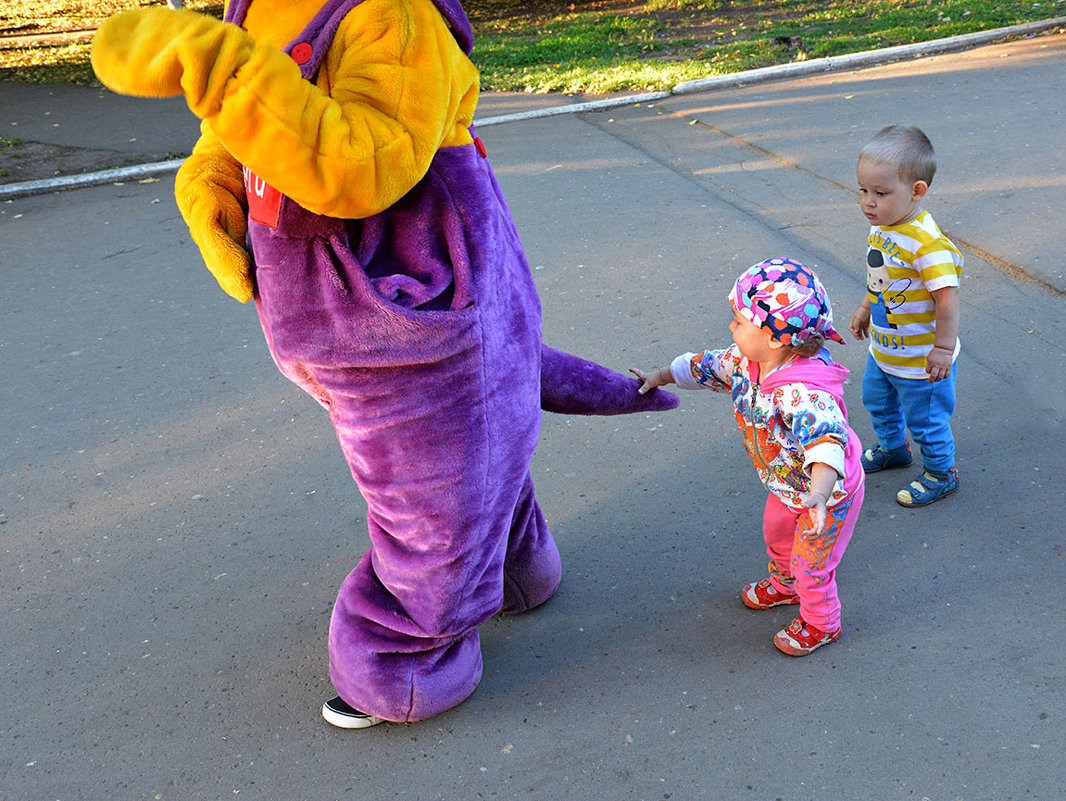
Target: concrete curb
(793, 70)
(135, 173)
(574, 108)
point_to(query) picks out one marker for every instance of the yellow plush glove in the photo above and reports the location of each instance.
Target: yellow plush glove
(209, 190)
(160, 52)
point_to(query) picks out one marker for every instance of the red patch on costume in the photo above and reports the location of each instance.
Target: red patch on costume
(264, 201)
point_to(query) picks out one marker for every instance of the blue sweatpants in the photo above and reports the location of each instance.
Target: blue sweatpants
(925, 407)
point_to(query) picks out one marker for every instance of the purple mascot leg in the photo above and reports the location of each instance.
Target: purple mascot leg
(456, 535)
(532, 568)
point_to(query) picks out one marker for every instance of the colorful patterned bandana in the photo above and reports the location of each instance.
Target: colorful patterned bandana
(787, 298)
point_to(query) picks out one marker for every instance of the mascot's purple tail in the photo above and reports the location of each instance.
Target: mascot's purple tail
(572, 385)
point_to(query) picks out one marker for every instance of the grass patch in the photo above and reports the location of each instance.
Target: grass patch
(571, 53)
(45, 63)
(60, 32)
(596, 46)
(664, 42)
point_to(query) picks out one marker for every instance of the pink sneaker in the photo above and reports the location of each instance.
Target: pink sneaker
(800, 638)
(764, 595)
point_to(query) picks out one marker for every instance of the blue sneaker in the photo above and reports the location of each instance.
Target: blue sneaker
(928, 487)
(877, 459)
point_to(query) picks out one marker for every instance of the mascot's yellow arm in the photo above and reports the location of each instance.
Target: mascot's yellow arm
(393, 88)
(210, 194)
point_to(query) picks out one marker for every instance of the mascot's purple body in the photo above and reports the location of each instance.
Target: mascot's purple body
(419, 330)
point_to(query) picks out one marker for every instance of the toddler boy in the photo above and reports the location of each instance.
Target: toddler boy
(910, 313)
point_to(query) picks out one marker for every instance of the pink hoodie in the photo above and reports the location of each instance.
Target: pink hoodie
(817, 374)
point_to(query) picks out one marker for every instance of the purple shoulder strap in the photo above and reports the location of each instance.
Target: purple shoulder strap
(455, 16)
(309, 48)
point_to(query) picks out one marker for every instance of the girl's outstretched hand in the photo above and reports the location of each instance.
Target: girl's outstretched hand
(656, 378)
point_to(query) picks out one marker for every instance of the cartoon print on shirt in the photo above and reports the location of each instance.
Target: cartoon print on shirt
(877, 278)
(886, 297)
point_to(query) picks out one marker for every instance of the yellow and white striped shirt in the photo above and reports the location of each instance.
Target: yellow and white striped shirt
(905, 263)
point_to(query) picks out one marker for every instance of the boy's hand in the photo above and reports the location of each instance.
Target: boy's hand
(656, 378)
(938, 363)
(860, 322)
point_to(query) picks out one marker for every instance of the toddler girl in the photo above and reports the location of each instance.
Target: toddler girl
(788, 398)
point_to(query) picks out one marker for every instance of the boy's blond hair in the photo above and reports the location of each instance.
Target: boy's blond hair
(908, 149)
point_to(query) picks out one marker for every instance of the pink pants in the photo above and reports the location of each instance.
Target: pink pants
(806, 566)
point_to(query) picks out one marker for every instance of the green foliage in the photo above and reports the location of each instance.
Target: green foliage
(529, 47)
(63, 58)
(658, 47)
(44, 64)
(678, 5)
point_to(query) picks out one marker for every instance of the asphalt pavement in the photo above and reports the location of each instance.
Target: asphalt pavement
(176, 517)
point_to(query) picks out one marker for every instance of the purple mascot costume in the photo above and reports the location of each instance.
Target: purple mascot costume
(392, 287)
(419, 329)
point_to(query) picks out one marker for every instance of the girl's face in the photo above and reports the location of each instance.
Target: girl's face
(884, 197)
(754, 343)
